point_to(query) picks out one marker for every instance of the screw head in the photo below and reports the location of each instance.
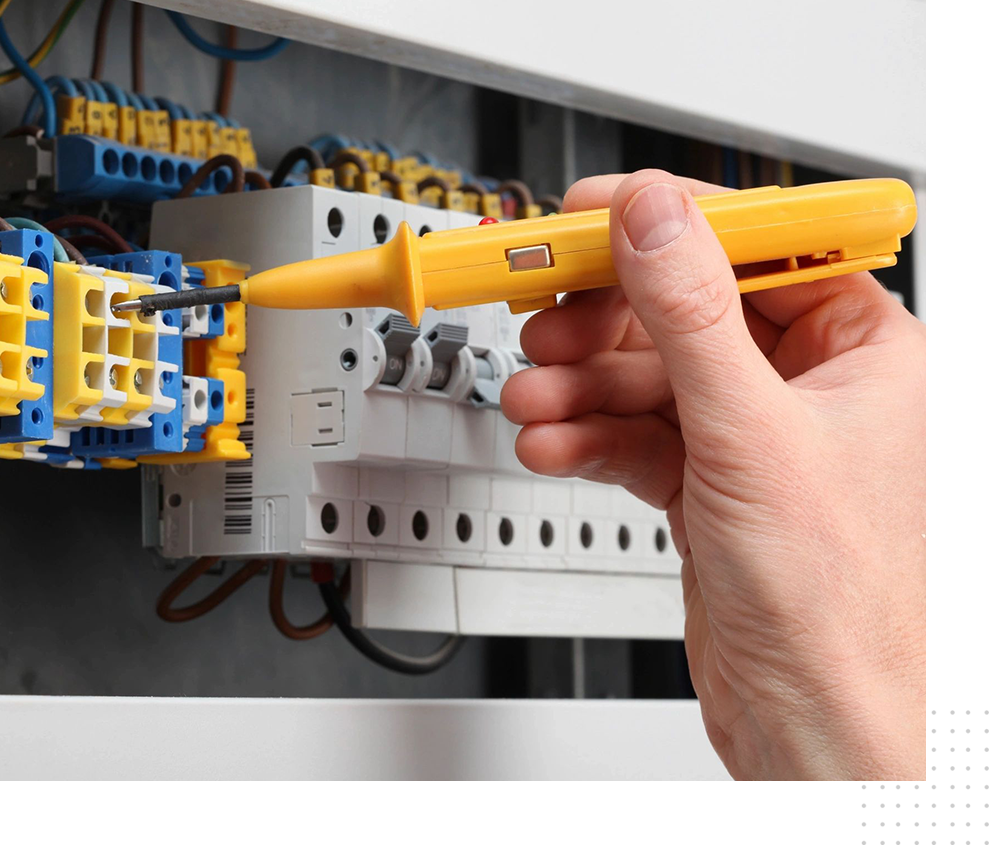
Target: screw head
(85, 378)
(3, 290)
(138, 380)
(29, 368)
(113, 377)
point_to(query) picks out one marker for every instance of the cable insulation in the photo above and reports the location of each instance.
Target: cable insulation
(218, 51)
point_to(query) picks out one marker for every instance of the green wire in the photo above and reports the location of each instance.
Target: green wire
(58, 250)
(67, 16)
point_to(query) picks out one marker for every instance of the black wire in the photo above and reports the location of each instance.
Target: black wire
(382, 655)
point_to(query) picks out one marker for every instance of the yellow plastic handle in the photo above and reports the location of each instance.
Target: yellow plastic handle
(772, 237)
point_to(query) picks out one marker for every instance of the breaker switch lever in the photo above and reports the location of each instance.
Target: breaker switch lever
(397, 335)
(444, 340)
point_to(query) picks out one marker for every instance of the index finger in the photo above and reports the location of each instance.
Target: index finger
(596, 191)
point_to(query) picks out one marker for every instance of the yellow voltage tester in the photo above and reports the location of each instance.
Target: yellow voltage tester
(773, 236)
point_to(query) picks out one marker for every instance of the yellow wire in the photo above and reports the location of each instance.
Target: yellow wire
(39, 55)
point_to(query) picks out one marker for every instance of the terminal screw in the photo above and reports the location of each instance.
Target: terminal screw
(113, 377)
(3, 290)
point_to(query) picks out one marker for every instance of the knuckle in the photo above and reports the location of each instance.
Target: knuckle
(692, 299)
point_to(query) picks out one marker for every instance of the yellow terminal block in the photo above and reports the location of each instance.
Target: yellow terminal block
(16, 311)
(182, 141)
(200, 139)
(111, 121)
(147, 129)
(772, 236)
(380, 162)
(219, 358)
(71, 115)
(104, 367)
(322, 176)
(163, 132)
(15, 451)
(214, 139)
(228, 140)
(117, 463)
(368, 183)
(245, 148)
(93, 117)
(127, 125)
(406, 167)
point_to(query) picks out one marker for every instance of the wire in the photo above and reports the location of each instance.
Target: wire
(276, 607)
(70, 249)
(191, 574)
(228, 71)
(551, 201)
(217, 51)
(4, 225)
(99, 44)
(223, 160)
(58, 250)
(31, 75)
(302, 153)
(520, 191)
(84, 221)
(3, 6)
(137, 48)
(31, 129)
(382, 655)
(54, 34)
(256, 180)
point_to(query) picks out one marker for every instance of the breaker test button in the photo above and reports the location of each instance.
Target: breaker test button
(530, 258)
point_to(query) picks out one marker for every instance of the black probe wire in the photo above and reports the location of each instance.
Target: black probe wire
(380, 654)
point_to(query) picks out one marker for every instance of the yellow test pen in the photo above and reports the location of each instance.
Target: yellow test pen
(773, 236)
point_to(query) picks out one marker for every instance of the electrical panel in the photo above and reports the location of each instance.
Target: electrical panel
(375, 442)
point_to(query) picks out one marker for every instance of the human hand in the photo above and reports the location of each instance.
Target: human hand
(784, 434)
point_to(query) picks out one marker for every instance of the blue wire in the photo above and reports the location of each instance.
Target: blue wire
(187, 112)
(31, 75)
(219, 52)
(134, 100)
(174, 112)
(88, 91)
(115, 91)
(54, 84)
(147, 103)
(99, 90)
(217, 118)
(234, 123)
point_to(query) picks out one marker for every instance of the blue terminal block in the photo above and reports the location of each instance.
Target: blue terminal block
(92, 168)
(214, 416)
(35, 420)
(165, 432)
(214, 324)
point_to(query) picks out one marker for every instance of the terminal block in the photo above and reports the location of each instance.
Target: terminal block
(203, 321)
(92, 168)
(108, 370)
(26, 364)
(159, 427)
(219, 359)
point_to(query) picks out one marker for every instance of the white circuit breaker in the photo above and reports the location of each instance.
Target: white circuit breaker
(383, 445)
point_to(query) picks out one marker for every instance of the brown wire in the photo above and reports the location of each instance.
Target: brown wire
(551, 201)
(433, 182)
(84, 221)
(228, 68)
(191, 574)
(276, 607)
(99, 45)
(255, 178)
(137, 48)
(346, 157)
(5, 226)
(91, 239)
(222, 160)
(303, 152)
(473, 188)
(70, 248)
(27, 129)
(518, 189)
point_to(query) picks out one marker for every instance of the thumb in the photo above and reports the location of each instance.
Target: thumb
(678, 281)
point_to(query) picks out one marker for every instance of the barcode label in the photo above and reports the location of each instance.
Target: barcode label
(238, 482)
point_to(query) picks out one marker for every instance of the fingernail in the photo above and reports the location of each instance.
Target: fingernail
(654, 217)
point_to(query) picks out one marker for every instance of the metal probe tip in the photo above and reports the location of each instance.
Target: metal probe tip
(129, 305)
